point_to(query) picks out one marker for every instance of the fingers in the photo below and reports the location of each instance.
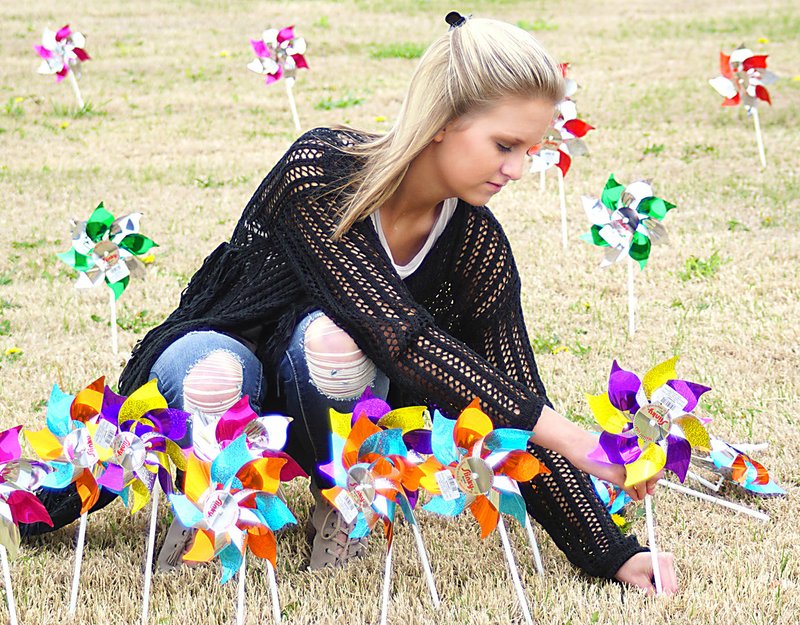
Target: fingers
(669, 579)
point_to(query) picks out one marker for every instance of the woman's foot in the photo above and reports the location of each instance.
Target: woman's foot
(332, 545)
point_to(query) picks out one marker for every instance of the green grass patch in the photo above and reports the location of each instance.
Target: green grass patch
(539, 24)
(696, 268)
(89, 109)
(329, 103)
(403, 50)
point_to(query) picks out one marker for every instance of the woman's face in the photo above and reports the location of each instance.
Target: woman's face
(477, 154)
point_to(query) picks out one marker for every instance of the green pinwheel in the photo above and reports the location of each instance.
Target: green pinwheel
(626, 220)
(105, 249)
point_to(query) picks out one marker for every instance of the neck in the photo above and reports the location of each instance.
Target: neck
(419, 194)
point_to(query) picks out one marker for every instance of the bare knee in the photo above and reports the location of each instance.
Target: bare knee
(213, 384)
(337, 366)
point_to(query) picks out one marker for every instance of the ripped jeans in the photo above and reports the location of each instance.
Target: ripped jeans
(321, 369)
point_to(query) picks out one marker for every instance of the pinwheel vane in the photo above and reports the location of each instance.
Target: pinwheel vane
(62, 53)
(626, 221)
(106, 250)
(279, 54)
(742, 80)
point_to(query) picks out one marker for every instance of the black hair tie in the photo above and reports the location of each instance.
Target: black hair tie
(455, 19)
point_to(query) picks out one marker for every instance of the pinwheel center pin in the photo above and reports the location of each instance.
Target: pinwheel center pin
(361, 486)
(257, 435)
(129, 451)
(79, 448)
(474, 476)
(652, 423)
(220, 511)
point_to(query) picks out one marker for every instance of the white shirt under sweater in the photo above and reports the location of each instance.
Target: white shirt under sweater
(448, 208)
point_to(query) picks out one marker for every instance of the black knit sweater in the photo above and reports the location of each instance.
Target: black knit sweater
(451, 331)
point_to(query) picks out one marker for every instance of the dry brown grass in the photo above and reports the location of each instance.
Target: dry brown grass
(185, 134)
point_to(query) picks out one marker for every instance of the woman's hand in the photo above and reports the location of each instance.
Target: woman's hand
(638, 571)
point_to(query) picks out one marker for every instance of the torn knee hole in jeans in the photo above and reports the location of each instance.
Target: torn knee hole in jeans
(213, 384)
(340, 379)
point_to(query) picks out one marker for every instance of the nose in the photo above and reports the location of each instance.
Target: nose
(513, 165)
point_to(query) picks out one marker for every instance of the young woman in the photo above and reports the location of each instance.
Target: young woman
(367, 260)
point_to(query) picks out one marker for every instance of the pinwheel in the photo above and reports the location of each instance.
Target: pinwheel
(139, 440)
(562, 141)
(105, 249)
(372, 476)
(613, 498)
(743, 75)
(67, 444)
(18, 477)
(233, 504)
(733, 464)
(62, 51)
(648, 426)
(480, 469)
(627, 221)
(279, 54)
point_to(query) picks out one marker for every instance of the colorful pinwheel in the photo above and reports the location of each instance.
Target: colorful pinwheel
(138, 438)
(66, 443)
(106, 249)
(626, 220)
(741, 81)
(18, 477)
(233, 504)
(61, 51)
(743, 75)
(279, 54)
(648, 424)
(562, 141)
(614, 499)
(480, 468)
(740, 468)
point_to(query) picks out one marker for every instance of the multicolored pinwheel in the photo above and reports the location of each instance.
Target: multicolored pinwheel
(739, 468)
(562, 141)
(279, 54)
(743, 75)
(61, 51)
(66, 443)
(18, 477)
(232, 502)
(480, 468)
(648, 424)
(626, 220)
(106, 249)
(138, 438)
(614, 499)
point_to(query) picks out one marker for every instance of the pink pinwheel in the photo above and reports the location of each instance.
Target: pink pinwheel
(17, 478)
(647, 423)
(61, 51)
(279, 54)
(743, 75)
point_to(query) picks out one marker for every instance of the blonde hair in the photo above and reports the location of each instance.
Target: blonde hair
(467, 69)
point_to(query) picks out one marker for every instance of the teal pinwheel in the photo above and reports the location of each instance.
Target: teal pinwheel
(105, 249)
(626, 220)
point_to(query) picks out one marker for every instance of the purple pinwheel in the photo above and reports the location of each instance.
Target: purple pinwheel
(647, 423)
(61, 52)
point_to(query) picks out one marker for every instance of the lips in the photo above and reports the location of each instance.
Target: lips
(496, 187)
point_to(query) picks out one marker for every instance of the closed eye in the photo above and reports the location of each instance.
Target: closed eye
(503, 148)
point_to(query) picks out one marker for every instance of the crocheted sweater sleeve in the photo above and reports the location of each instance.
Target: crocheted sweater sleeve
(354, 283)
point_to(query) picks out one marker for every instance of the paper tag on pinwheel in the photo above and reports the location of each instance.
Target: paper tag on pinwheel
(66, 442)
(647, 424)
(626, 220)
(233, 504)
(485, 463)
(738, 467)
(61, 51)
(140, 440)
(562, 141)
(742, 79)
(18, 477)
(279, 54)
(105, 249)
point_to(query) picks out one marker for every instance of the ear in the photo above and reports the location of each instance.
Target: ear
(439, 136)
